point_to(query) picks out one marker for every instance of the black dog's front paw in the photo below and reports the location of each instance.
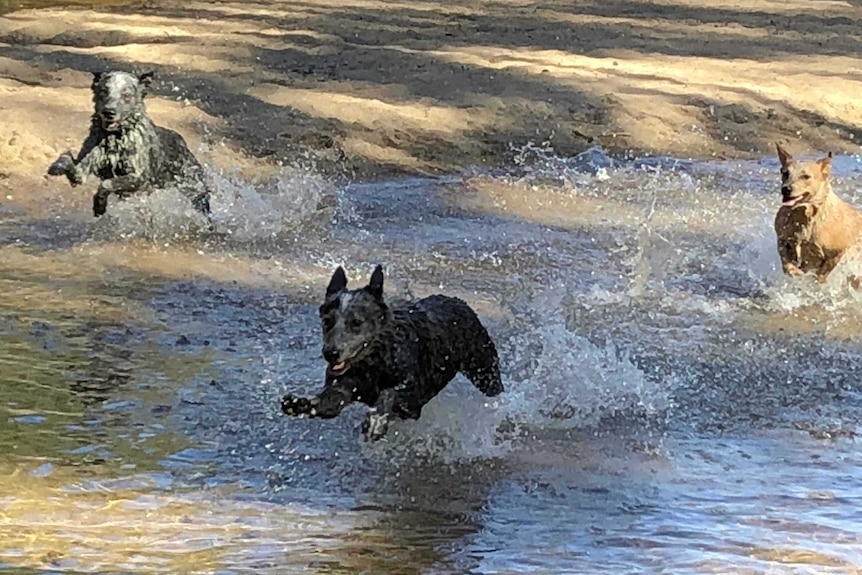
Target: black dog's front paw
(291, 405)
(63, 165)
(375, 426)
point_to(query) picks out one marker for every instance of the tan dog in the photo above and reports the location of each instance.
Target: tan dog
(815, 227)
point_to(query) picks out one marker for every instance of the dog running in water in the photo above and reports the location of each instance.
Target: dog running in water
(395, 357)
(127, 151)
(815, 228)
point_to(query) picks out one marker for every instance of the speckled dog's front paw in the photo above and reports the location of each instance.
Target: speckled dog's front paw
(63, 165)
(291, 405)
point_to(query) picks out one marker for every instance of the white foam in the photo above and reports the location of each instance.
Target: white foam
(249, 211)
(240, 209)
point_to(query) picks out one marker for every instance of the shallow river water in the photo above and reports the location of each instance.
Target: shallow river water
(674, 404)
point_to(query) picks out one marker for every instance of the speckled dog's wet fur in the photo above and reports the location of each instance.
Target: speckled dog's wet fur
(127, 151)
(395, 357)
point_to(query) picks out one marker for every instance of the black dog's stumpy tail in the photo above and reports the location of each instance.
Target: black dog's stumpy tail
(482, 368)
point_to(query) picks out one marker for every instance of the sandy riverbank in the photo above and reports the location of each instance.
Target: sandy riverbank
(371, 87)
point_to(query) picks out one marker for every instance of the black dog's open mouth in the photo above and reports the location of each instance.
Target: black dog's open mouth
(790, 202)
(344, 364)
(340, 367)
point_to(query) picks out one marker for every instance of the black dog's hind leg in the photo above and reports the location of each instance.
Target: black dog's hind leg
(199, 195)
(399, 402)
(202, 204)
(328, 404)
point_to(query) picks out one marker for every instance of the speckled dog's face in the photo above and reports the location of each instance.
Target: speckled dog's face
(118, 97)
(351, 319)
(803, 182)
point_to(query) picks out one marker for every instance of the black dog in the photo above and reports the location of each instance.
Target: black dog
(395, 358)
(127, 151)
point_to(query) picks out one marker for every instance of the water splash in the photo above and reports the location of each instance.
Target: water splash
(284, 202)
(570, 382)
(555, 381)
(540, 162)
(242, 210)
(698, 249)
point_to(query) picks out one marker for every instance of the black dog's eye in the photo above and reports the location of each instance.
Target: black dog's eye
(355, 323)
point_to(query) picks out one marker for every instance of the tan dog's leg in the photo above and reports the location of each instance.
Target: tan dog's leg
(826, 268)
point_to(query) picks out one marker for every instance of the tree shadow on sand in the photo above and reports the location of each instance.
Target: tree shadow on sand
(312, 76)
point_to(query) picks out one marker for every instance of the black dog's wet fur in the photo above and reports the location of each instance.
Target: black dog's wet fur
(139, 155)
(398, 356)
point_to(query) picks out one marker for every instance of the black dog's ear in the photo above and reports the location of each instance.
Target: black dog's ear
(375, 286)
(337, 283)
(783, 155)
(97, 77)
(145, 80)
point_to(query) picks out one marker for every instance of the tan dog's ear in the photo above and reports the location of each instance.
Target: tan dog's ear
(826, 164)
(783, 155)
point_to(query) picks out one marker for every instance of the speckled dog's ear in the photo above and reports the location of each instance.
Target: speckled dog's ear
(145, 80)
(97, 77)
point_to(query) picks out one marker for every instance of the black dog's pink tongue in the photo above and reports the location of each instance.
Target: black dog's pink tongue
(338, 366)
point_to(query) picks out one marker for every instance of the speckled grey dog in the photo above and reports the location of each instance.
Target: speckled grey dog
(395, 357)
(127, 151)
